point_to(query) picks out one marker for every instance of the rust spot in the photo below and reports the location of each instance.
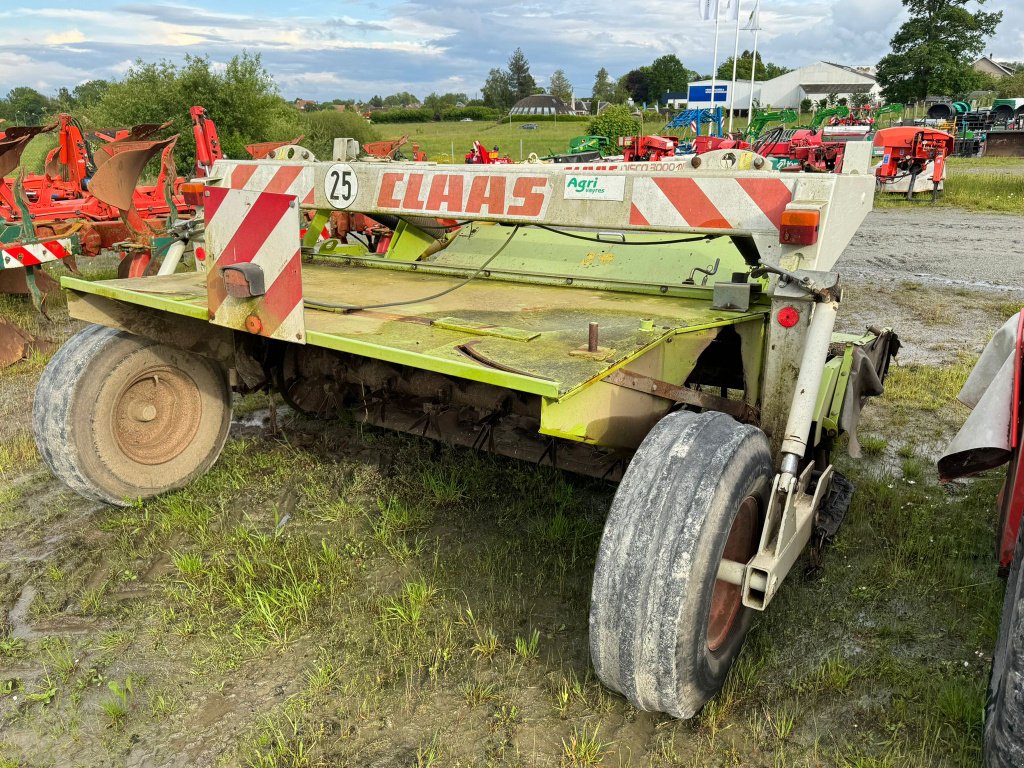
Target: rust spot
(253, 324)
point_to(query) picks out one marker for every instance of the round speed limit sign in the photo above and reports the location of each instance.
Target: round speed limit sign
(341, 185)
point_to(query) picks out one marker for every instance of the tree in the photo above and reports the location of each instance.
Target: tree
(242, 99)
(402, 99)
(89, 93)
(604, 88)
(765, 69)
(25, 105)
(438, 103)
(376, 102)
(665, 74)
(614, 122)
(1010, 87)
(933, 50)
(561, 87)
(519, 76)
(497, 91)
(637, 84)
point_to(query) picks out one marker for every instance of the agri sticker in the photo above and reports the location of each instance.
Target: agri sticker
(587, 187)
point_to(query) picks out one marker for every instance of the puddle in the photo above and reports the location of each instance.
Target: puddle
(18, 616)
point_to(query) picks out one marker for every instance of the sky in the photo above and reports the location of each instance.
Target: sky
(359, 48)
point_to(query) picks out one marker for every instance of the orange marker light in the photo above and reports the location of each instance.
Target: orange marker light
(193, 193)
(799, 227)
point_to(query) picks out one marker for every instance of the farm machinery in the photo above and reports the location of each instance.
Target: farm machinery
(84, 202)
(910, 152)
(481, 155)
(666, 325)
(637, 149)
(993, 436)
(391, 149)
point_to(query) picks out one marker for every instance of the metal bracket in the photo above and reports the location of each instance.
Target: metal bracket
(738, 409)
(788, 526)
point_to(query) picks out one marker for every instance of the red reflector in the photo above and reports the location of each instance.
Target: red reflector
(200, 253)
(799, 227)
(788, 317)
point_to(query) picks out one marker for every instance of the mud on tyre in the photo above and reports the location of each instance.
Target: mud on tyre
(663, 629)
(119, 417)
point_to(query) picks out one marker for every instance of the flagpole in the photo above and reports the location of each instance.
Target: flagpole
(714, 68)
(753, 64)
(735, 57)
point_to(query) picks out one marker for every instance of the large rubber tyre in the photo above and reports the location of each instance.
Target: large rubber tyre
(663, 630)
(1004, 710)
(118, 417)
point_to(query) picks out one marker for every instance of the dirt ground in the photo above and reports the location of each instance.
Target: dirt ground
(333, 595)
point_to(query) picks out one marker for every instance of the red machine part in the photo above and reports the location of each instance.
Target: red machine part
(908, 149)
(480, 155)
(647, 148)
(208, 149)
(1011, 499)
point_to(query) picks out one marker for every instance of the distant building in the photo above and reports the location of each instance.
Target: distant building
(303, 104)
(581, 107)
(815, 81)
(540, 104)
(991, 67)
(673, 99)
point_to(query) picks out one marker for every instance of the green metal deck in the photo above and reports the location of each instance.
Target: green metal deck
(527, 337)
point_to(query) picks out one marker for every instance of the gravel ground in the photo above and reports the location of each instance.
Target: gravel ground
(938, 245)
(943, 279)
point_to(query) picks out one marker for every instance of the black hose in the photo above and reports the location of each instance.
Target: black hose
(346, 308)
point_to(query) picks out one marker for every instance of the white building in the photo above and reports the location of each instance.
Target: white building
(815, 81)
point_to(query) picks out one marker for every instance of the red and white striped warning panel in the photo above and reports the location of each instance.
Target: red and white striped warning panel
(259, 228)
(31, 254)
(268, 176)
(710, 203)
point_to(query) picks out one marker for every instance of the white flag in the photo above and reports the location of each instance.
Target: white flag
(730, 9)
(707, 9)
(753, 22)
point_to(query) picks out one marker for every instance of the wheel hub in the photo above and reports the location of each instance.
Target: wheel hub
(727, 599)
(156, 415)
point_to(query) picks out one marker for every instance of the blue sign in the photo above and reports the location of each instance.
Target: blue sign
(703, 93)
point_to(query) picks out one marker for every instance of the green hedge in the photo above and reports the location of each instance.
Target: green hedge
(451, 115)
(473, 113)
(402, 116)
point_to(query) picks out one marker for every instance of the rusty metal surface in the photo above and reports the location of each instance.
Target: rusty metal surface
(156, 415)
(115, 181)
(1004, 144)
(735, 408)
(14, 142)
(137, 134)
(16, 344)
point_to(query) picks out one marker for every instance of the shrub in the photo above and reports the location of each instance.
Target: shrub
(614, 122)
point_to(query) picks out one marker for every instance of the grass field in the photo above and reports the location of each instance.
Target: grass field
(437, 139)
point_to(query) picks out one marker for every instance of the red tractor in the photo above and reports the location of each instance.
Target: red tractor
(993, 435)
(910, 151)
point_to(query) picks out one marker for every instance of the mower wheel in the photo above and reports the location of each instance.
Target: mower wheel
(119, 417)
(664, 630)
(1004, 710)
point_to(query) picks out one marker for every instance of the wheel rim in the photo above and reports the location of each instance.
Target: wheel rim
(727, 599)
(156, 415)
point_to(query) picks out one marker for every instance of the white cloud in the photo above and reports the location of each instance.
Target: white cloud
(65, 38)
(420, 45)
